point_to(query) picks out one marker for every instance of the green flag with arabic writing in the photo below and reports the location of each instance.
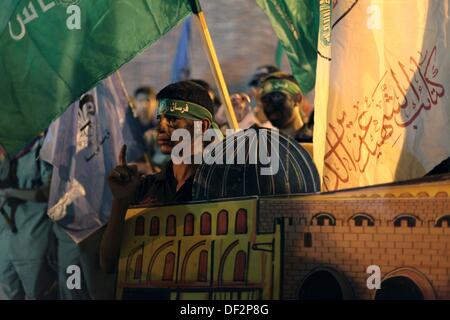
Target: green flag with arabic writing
(51, 52)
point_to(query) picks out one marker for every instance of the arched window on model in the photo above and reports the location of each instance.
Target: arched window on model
(205, 224)
(154, 226)
(169, 266)
(139, 227)
(239, 266)
(189, 225)
(323, 219)
(241, 222)
(222, 222)
(138, 267)
(405, 220)
(171, 226)
(443, 222)
(203, 266)
(363, 220)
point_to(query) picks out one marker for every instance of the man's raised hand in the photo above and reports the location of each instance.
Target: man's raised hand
(124, 179)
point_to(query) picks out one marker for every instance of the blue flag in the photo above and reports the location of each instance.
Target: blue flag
(181, 68)
(83, 146)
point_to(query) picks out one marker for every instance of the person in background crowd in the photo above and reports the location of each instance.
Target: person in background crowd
(246, 114)
(241, 105)
(145, 107)
(281, 99)
(243, 110)
(25, 229)
(254, 91)
(180, 104)
(145, 111)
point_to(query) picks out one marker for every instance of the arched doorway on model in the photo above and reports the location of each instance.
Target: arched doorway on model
(325, 283)
(405, 284)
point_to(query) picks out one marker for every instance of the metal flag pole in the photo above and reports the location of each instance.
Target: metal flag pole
(214, 63)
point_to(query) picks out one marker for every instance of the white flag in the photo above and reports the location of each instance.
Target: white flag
(83, 146)
(382, 92)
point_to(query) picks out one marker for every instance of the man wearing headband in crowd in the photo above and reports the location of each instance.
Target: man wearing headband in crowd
(180, 104)
(281, 98)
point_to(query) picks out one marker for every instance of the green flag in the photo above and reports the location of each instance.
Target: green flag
(279, 55)
(296, 23)
(52, 51)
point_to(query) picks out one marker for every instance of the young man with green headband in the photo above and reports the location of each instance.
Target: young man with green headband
(281, 98)
(180, 105)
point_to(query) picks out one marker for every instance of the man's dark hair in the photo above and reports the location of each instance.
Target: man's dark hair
(281, 75)
(201, 82)
(268, 68)
(260, 73)
(187, 91)
(145, 90)
(207, 86)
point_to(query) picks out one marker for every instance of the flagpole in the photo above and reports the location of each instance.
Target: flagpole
(125, 91)
(214, 63)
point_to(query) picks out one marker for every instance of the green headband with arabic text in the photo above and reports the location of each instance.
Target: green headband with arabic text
(186, 110)
(280, 85)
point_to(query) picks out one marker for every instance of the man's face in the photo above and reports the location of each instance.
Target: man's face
(167, 125)
(145, 107)
(279, 108)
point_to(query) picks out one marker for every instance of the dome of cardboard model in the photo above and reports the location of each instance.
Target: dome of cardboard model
(255, 162)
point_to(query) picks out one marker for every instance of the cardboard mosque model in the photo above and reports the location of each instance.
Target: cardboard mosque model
(336, 245)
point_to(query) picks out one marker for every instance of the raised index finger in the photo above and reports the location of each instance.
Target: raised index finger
(123, 156)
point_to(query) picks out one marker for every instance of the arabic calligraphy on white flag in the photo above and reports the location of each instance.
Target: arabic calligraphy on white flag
(382, 93)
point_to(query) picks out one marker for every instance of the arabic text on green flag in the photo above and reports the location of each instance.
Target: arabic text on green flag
(45, 65)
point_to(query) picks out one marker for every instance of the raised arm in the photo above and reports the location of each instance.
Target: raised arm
(123, 182)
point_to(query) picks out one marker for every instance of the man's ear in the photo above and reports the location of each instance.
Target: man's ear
(205, 125)
(298, 98)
